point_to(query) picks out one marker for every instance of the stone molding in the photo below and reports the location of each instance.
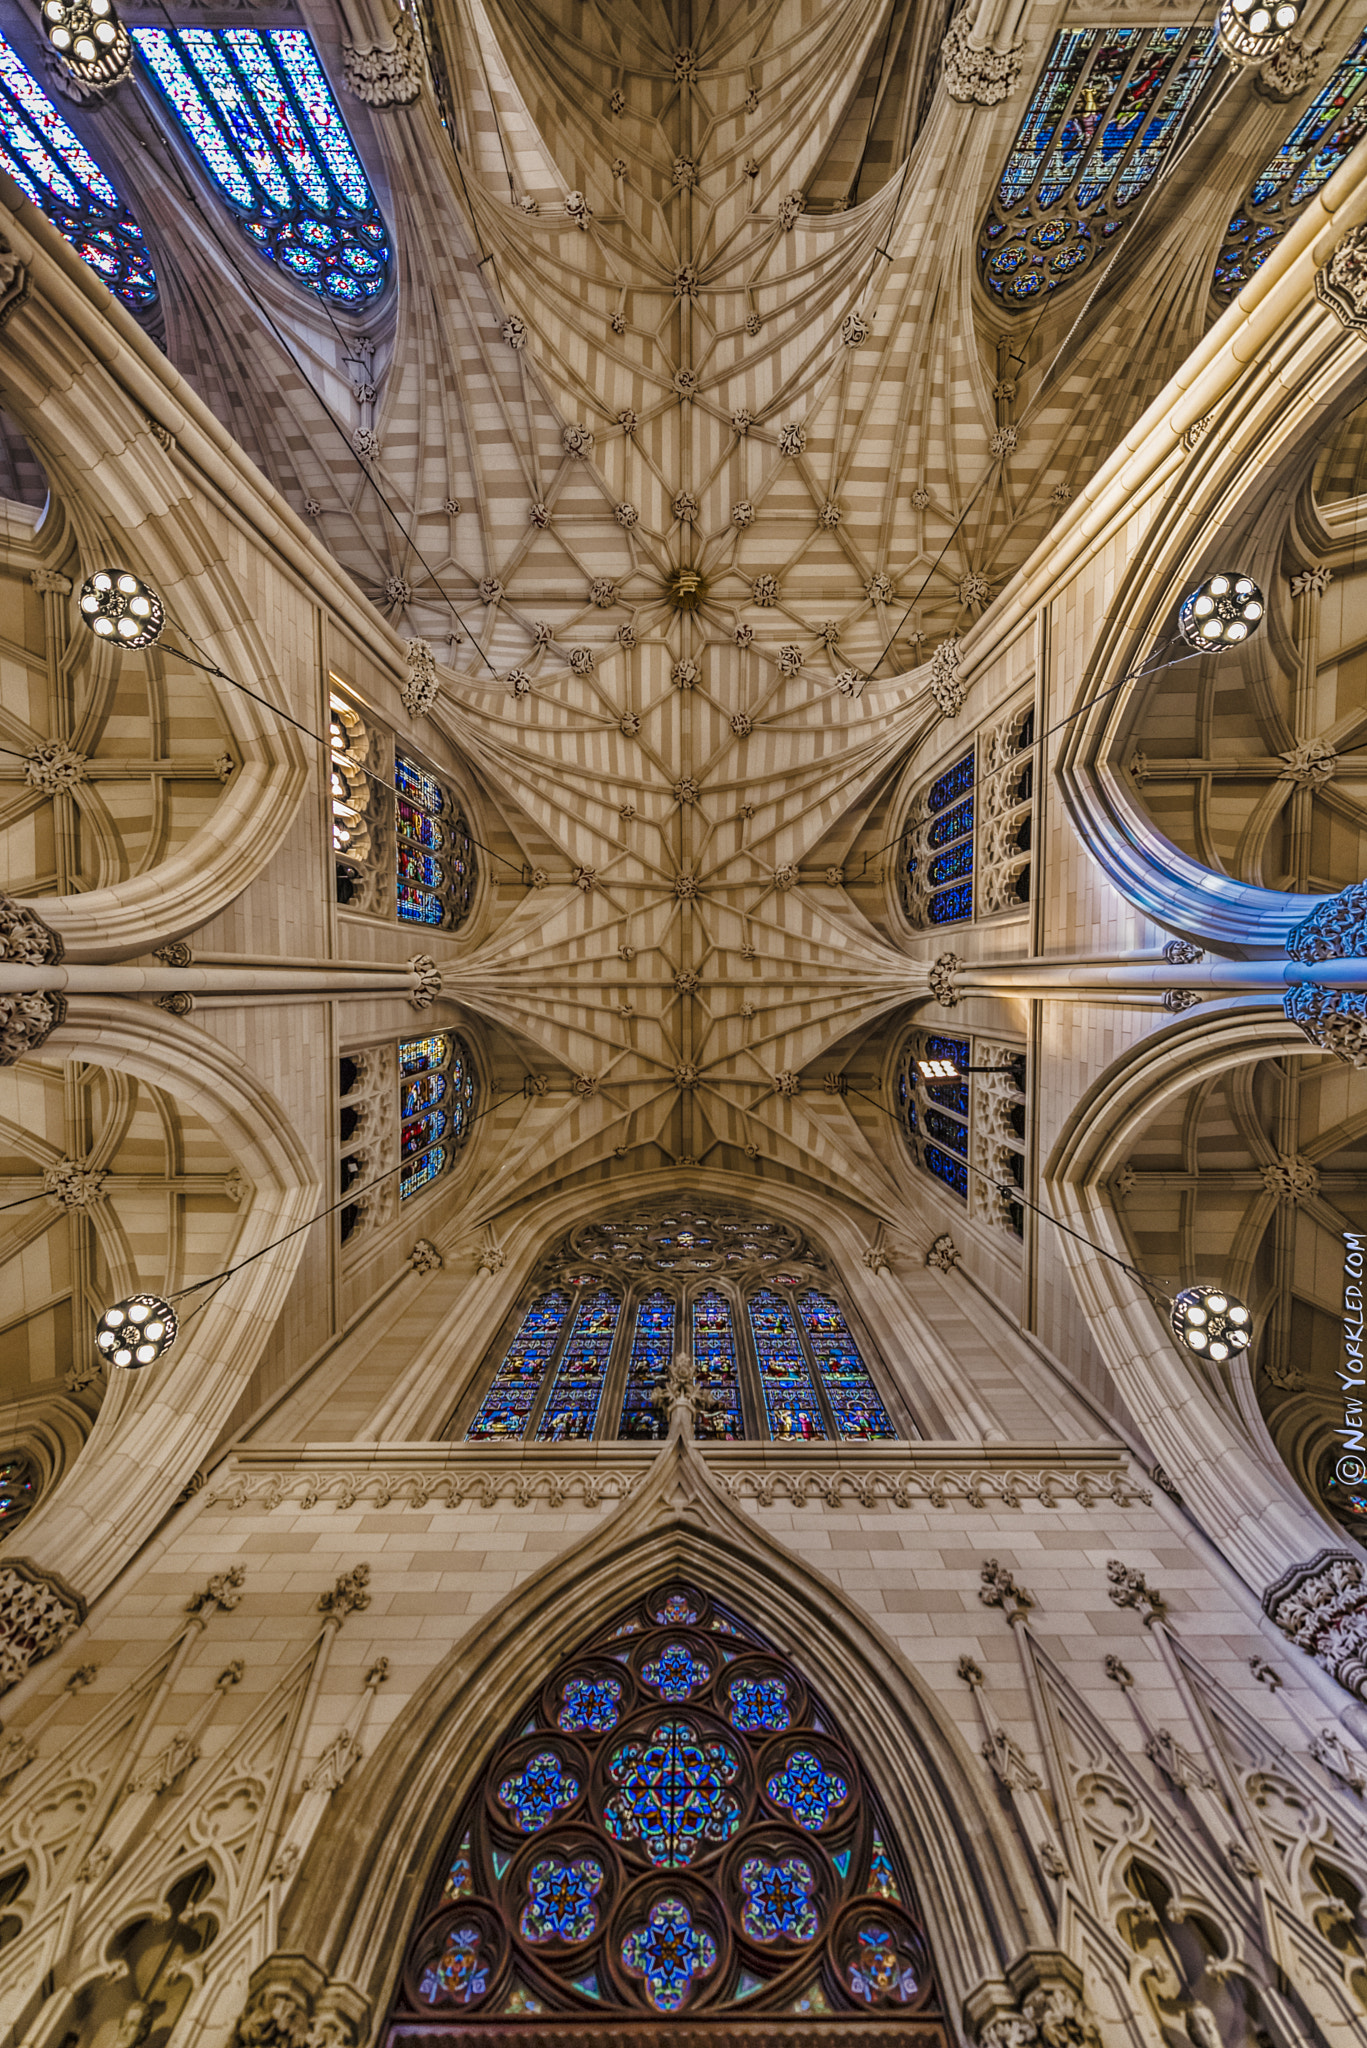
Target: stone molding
(1342, 284)
(1321, 1606)
(38, 1612)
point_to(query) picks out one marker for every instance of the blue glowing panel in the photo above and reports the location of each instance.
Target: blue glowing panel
(949, 1095)
(652, 1347)
(464, 1091)
(1101, 123)
(714, 1365)
(951, 1171)
(422, 1093)
(952, 906)
(51, 166)
(511, 1397)
(422, 1173)
(572, 1406)
(1315, 148)
(261, 117)
(951, 784)
(938, 1047)
(413, 781)
(790, 1402)
(951, 824)
(947, 1131)
(948, 867)
(851, 1393)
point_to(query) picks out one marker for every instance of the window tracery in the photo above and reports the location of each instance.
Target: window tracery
(410, 1105)
(412, 846)
(1101, 123)
(968, 837)
(51, 166)
(748, 1300)
(977, 1120)
(1330, 126)
(259, 114)
(676, 1827)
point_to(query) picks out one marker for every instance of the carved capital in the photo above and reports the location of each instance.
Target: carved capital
(425, 1258)
(1322, 1608)
(38, 1611)
(977, 76)
(999, 1589)
(427, 983)
(1288, 71)
(941, 988)
(50, 582)
(943, 1255)
(1130, 1589)
(24, 938)
(387, 78)
(1342, 284)
(14, 281)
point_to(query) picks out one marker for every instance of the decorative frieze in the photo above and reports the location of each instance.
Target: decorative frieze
(1322, 1608)
(38, 1612)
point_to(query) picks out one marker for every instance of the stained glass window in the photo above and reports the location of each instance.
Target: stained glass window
(506, 1409)
(1330, 126)
(935, 1114)
(438, 1085)
(790, 1402)
(1101, 123)
(572, 1405)
(937, 869)
(714, 1365)
(18, 1488)
(52, 166)
(854, 1403)
(261, 117)
(707, 1850)
(434, 855)
(652, 1347)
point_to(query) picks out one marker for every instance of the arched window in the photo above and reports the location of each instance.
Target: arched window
(1288, 181)
(410, 1105)
(437, 1089)
(968, 837)
(409, 854)
(1103, 118)
(18, 1489)
(52, 166)
(978, 1116)
(748, 1301)
(581, 1878)
(261, 117)
(937, 873)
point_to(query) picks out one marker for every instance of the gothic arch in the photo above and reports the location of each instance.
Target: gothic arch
(979, 1900)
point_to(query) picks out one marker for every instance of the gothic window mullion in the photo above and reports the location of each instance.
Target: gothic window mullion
(813, 1363)
(747, 1365)
(548, 1377)
(617, 1384)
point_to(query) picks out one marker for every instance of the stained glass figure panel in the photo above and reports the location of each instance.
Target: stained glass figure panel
(790, 1404)
(438, 1070)
(629, 1859)
(52, 166)
(652, 1347)
(1331, 125)
(715, 1366)
(854, 1400)
(435, 869)
(572, 1406)
(506, 1408)
(260, 115)
(1101, 123)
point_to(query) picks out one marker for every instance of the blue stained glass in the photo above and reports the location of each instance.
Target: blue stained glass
(676, 1673)
(790, 1401)
(422, 1173)
(425, 1131)
(668, 1953)
(673, 1794)
(459, 1878)
(572, 1408)
(560, 1899)
(419, 1055)
(938, 1047)
(419, 906)
(950, 1095)
(854, 1401)
(778, 1899)
(951, 824)
(590, 1706)
(423, 1092)
(759, 1703)
(952, 783)
(460, 1972)
(676, 1612)
(262, 119)
(1320, 140)
(508, 1404)
(950, 1133)
(535, 1795)
(652, 1347)
(714, 1365)
(416, 782)
(416, 824)
(808, 1790)
(423, 868)
(51, 166)
(951, 906)
(882, 1878)
(948, 867)
(951, 1171)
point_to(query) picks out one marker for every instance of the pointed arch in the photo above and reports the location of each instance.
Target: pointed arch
(979, 1900)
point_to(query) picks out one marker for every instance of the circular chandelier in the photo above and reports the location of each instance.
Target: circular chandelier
(89, 37)
(136, 1332)
(1211, 1323)
(1249, 31)
(1220, 612)
(116, 606)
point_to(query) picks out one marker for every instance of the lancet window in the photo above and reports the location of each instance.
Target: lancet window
(259, 114)
(1330, 126)
(1100, 126)
(18, 1488)
(401, 844)
(953, 1125)
(750, 1305)
(409, 1106)
(968, 837)
(577, 1881)
(52, 166)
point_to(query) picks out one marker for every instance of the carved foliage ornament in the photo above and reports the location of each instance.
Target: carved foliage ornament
(1322, 1608)
(1342, 284)
(37, 1614)
(980, 77)
(387, 78)
(25, 1022)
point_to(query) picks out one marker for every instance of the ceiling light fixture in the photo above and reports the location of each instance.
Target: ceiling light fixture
(1220, 612)
(116, 606)
(89, 38)
(1250, 31)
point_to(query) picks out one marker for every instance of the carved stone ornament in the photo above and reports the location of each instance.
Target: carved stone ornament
(1312, 583)
(1342, 284)
(291, 2004)
(1288, 72)
(977, 77)
(163, 1771)
(943, 1255)
(1177, 1000)
(335, 1765)
(1130, 1589)
(24, 938)
(1322, 1607)
(787, 1083)
(999, 1589)
(14, 281)
(1118, 1673)
(428, 982)
(492, 1259)
(74, 1185)
(38, 1612)
(1330, 1749)
(420, 690)
(175, 954)
(1334, 1019)
(176, 1003)
(1007, 2030)
(53, 767)
(224, 1590)
(970, 1672)
(387, 78)
(1177, 1764)
(1060, 2018)
(1291, 1180)
(1181, 952)
(25, 1022)
(1311, 764)
(425, 1258)
(945, 686)
(1009, 1764)
(349, 1595)
(939, 975)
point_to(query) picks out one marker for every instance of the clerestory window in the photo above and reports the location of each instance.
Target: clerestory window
(401, 844)
(967, 1130)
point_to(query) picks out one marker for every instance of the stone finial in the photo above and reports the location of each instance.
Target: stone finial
(999, 1589)
(1119, 1674)
(1329, 1749)
(970, 1672)
(943, 1255)
(224, 1591)
(1129, 1588)
(425, 1258)
(1265, 1673)
(682, 1397)
(348, 1596)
